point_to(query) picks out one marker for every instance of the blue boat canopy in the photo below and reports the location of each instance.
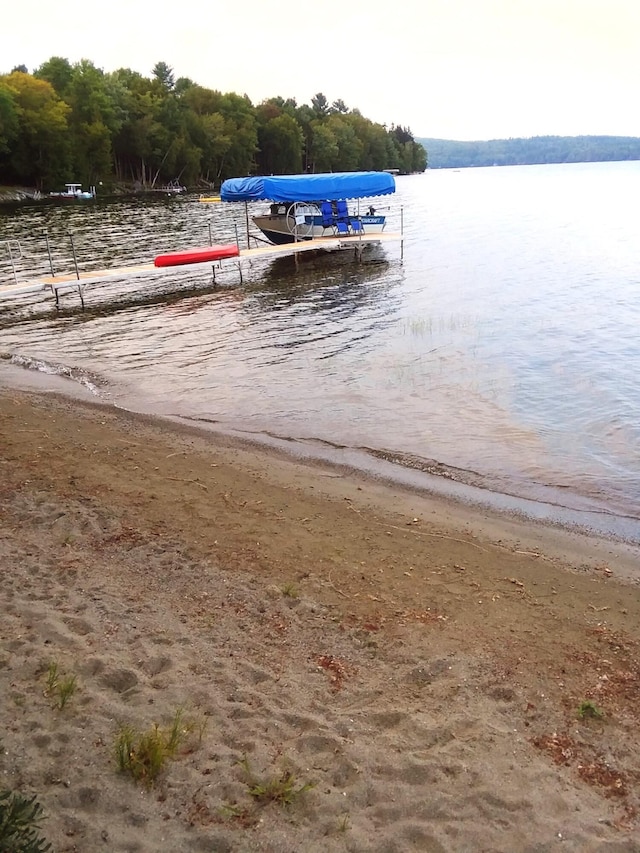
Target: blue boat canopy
(323, 187)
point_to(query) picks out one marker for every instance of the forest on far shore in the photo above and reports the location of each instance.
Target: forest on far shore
(67, 122)
(452, 154)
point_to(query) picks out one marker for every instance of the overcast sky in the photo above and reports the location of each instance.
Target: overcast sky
(450, 69)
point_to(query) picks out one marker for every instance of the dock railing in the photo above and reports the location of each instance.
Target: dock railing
(14, 254)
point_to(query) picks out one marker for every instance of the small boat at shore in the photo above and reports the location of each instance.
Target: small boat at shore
(74, 192)
(309, 207)
(171, 189)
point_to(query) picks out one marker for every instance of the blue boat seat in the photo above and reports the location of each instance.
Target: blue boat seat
(328, 218)
(342, 211)
(356, 225)
(342, 218)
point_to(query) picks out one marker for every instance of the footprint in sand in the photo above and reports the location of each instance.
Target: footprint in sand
(119, 680)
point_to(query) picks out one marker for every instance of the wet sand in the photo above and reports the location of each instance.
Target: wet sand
(408, 671)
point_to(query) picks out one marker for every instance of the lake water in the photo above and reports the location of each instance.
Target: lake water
(499, 351)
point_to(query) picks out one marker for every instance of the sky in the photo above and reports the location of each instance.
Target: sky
(448, 69)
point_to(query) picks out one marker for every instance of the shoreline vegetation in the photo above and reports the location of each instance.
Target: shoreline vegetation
(442, 154)
(207, 645)
(164, 128)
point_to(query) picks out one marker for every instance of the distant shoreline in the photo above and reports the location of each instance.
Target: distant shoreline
(536, 150)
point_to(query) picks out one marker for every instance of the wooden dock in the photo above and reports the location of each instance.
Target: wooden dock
(63, 283)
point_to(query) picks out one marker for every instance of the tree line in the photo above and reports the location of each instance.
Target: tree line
(74, 122)
(450, 154)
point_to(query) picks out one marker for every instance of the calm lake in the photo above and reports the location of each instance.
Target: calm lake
(496, 358)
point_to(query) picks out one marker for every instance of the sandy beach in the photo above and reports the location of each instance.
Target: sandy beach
(339, 664)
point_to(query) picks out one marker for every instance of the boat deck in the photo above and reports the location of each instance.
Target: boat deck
(74, 281)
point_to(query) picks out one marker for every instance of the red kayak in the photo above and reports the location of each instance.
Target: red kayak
(197, 256)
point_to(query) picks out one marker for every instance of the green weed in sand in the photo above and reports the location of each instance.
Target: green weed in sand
(19, 824)
(343, 824)
(143, 755)
(60, 688)
(282, 789)
(589, 710)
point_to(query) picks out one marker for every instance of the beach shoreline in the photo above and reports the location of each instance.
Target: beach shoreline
(422, 664)
(596, 534)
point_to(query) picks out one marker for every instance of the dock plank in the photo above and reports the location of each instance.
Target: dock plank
(71, 280)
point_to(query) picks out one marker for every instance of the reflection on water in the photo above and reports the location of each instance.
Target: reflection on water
(503, 351)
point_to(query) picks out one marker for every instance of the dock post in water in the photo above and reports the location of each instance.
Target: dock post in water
(46, 237)
(73, 252)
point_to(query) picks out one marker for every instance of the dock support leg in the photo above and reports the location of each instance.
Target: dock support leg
(46, 237)
(56, 293)
(13, 266)
(75, 260)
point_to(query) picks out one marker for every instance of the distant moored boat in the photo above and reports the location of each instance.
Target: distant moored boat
(74, 192)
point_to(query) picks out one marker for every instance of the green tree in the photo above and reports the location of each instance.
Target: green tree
(349, 147)
(164, 75)
(58, 72)
(183, 84)
(305, 117)
(320, 105)
(126, 88)
(215, 146)
(281, 146)
(40, 153)
(241, 127)
(373, 141)
(324, 147)
(93, 122)
(208, 130)
(167, 161)
(152, 144)
(9, 118)
(409, 156)
(135, 142)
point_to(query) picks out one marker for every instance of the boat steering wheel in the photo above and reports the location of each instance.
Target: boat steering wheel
(302, 229)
